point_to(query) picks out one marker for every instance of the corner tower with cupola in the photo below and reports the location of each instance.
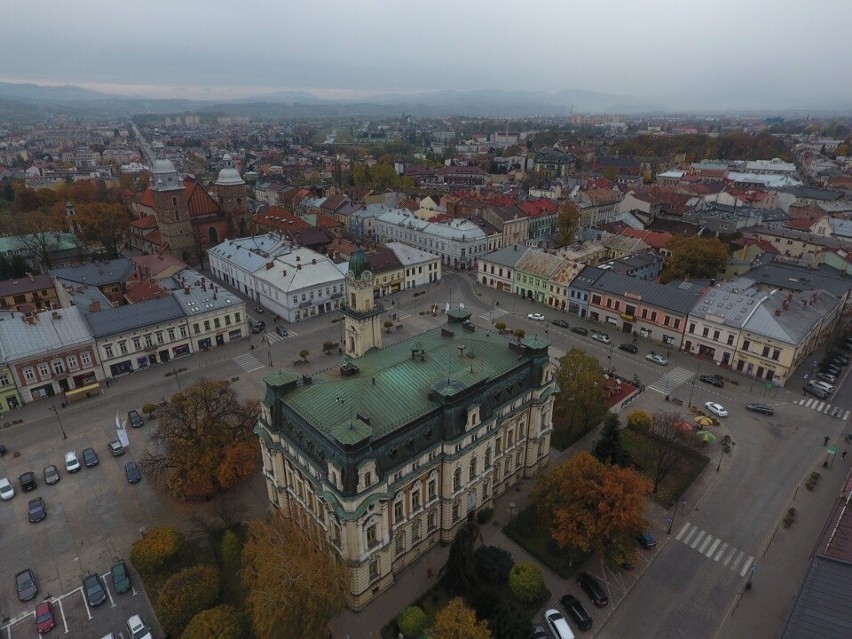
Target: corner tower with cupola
(362, 323)
(231, 193)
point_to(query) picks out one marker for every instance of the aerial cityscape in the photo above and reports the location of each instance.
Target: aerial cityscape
(448, 336)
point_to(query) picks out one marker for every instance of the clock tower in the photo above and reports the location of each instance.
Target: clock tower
(362, 324)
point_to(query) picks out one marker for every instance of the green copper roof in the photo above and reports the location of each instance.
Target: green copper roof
(359, 262)
(394, 388)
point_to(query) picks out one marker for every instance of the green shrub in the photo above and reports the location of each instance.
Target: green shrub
(157, 549)
(639, 420)
(526, 582)
(412, 621)
(187, 593)
(231, 549)
(149, 409)
(494, 564)
(221, 622)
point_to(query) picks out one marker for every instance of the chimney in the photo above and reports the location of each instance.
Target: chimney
(55, 315)
(299, 266)
(269, 265)
(298, 258)
(314, 261)
(284, 272)
(94, 307)
(186, 290)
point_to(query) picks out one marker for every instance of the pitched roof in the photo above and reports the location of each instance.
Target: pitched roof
(126, 318)
(678, 299)
(540, 264)
(26, 284)
(507, 256)
(47, 331)
(655, 239)
(115, 271)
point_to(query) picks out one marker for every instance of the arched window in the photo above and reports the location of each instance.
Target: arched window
(472, 473)
(213, 234)
(174, 200)
(487, 459)
(457, 479)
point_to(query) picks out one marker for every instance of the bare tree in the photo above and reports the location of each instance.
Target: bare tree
(668, 443)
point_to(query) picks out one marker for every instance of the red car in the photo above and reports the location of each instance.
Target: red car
(45, 621)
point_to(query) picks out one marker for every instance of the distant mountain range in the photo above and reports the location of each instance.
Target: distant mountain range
(79, 101)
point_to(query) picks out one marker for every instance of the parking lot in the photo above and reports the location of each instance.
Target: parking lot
(93, 517)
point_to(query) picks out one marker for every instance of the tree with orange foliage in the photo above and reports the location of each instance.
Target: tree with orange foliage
(296, 580)
(107, 224)
(457, 620)
(205, 441)
(593, 506)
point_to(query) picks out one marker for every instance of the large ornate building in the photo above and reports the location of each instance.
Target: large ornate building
(389, 453)
(178, 216)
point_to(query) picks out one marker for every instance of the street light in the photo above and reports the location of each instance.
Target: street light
(59, 421)
(609, 357)
(727, 444)
(176, 373)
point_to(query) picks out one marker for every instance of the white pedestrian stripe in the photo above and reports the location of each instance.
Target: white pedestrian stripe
(248, 362)
(714, 548)
(825, 408)
(671, 380)
(493, 314)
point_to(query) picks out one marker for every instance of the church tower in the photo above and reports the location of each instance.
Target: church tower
(231, 193)
(172, 210)
(362, 324)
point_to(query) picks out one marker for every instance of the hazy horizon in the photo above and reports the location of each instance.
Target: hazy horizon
(709, 55)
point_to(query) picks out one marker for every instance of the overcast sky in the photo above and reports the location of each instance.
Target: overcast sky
(674, 53)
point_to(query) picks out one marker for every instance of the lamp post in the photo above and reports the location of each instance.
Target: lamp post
(59, 421)
(176, 373)
(609, 357)
(692, 390)
(727, 444)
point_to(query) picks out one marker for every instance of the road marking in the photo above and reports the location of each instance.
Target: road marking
(697, 539)
(806, 402)
(248, 362)
(671, 380)
(721, 552)
(705, 544)
(109, 594)
(845, 415)
(819, 408)
(689, 536)
(737, 561)
(746, 566)
(683, 530)
(729, 557)
(62, 613)
(709, 553)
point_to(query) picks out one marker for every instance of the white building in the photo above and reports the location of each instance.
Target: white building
(421, 268)
(215, 315)
(236, 261)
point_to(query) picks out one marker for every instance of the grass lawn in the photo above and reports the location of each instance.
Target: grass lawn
(536, 540)
(562, 438)
(672, 487)
(432, 601)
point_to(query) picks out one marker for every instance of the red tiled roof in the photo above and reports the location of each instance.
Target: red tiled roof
(802, 223)
(146, 222)
(765, 246)
(328, 222)
(145, 290)
(147, 198)
(654, 239)
(200, 202)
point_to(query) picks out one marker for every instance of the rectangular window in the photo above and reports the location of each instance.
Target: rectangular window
(122, 347)
(692, 327)
(433, 489)
(171, 334)
(374, 569)
(456, 510)
(653, 316)
(415, 500)
(705, 332)
(398, 512)
(4, 380)
(237, 318)
(776, 354)
(399, 547)
(137, 343)
(84, 357)
(148, 342)
(58, 367)
(766, 351)
(108, 350)
(206, 325)
(183, 331)
(216, 323)
(159, 335)
(746, 344)
(196, 328)
(372, 538)
(72, 362)
(730, 340)
(431, 521)
(715, 335)
(29, 374)
(415, 532)
(596, 299)
(227, 320)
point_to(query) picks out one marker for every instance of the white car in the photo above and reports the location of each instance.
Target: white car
(7, 491)
(137, 629)
(557, 624)
(716, 409)
(72, 464)
(538, 317)
(657, 359)
(601, 337)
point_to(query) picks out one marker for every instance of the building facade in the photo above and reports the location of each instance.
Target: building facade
(473, 416)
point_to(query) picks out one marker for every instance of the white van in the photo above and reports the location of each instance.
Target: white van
(557, 624)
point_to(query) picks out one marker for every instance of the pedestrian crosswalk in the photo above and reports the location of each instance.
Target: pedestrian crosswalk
(714, 548)
(671, 380)
(248, 362)
(824, 407)
(493, 314)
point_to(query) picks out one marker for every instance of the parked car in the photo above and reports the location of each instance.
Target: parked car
(601, 337)
(116, 448)
(90, 457)
(630, 347)
(93, 587)
(830, 368)
(840, 360)
(135, 419)
(579, 330)
(51, 474)
(646, 540)
(827, 377)
(120, 577)
(817, 391)
(561, 323)
(577, 611)
(258, 327)
(557, 624)
(36, 510)
(258, 309)
(131, 471)
(72, 464)
(756, 407)
(717, 409)
(44, 617)
(7, 491)
(540, 633)
(282, 331)
(713, 380)
(657, 359)
(538, 317)
(137, 629)
(593, 589)
(28, 481)
(828, 388)
(25, 585)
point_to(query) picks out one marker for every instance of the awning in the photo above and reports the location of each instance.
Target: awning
(83, 391)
